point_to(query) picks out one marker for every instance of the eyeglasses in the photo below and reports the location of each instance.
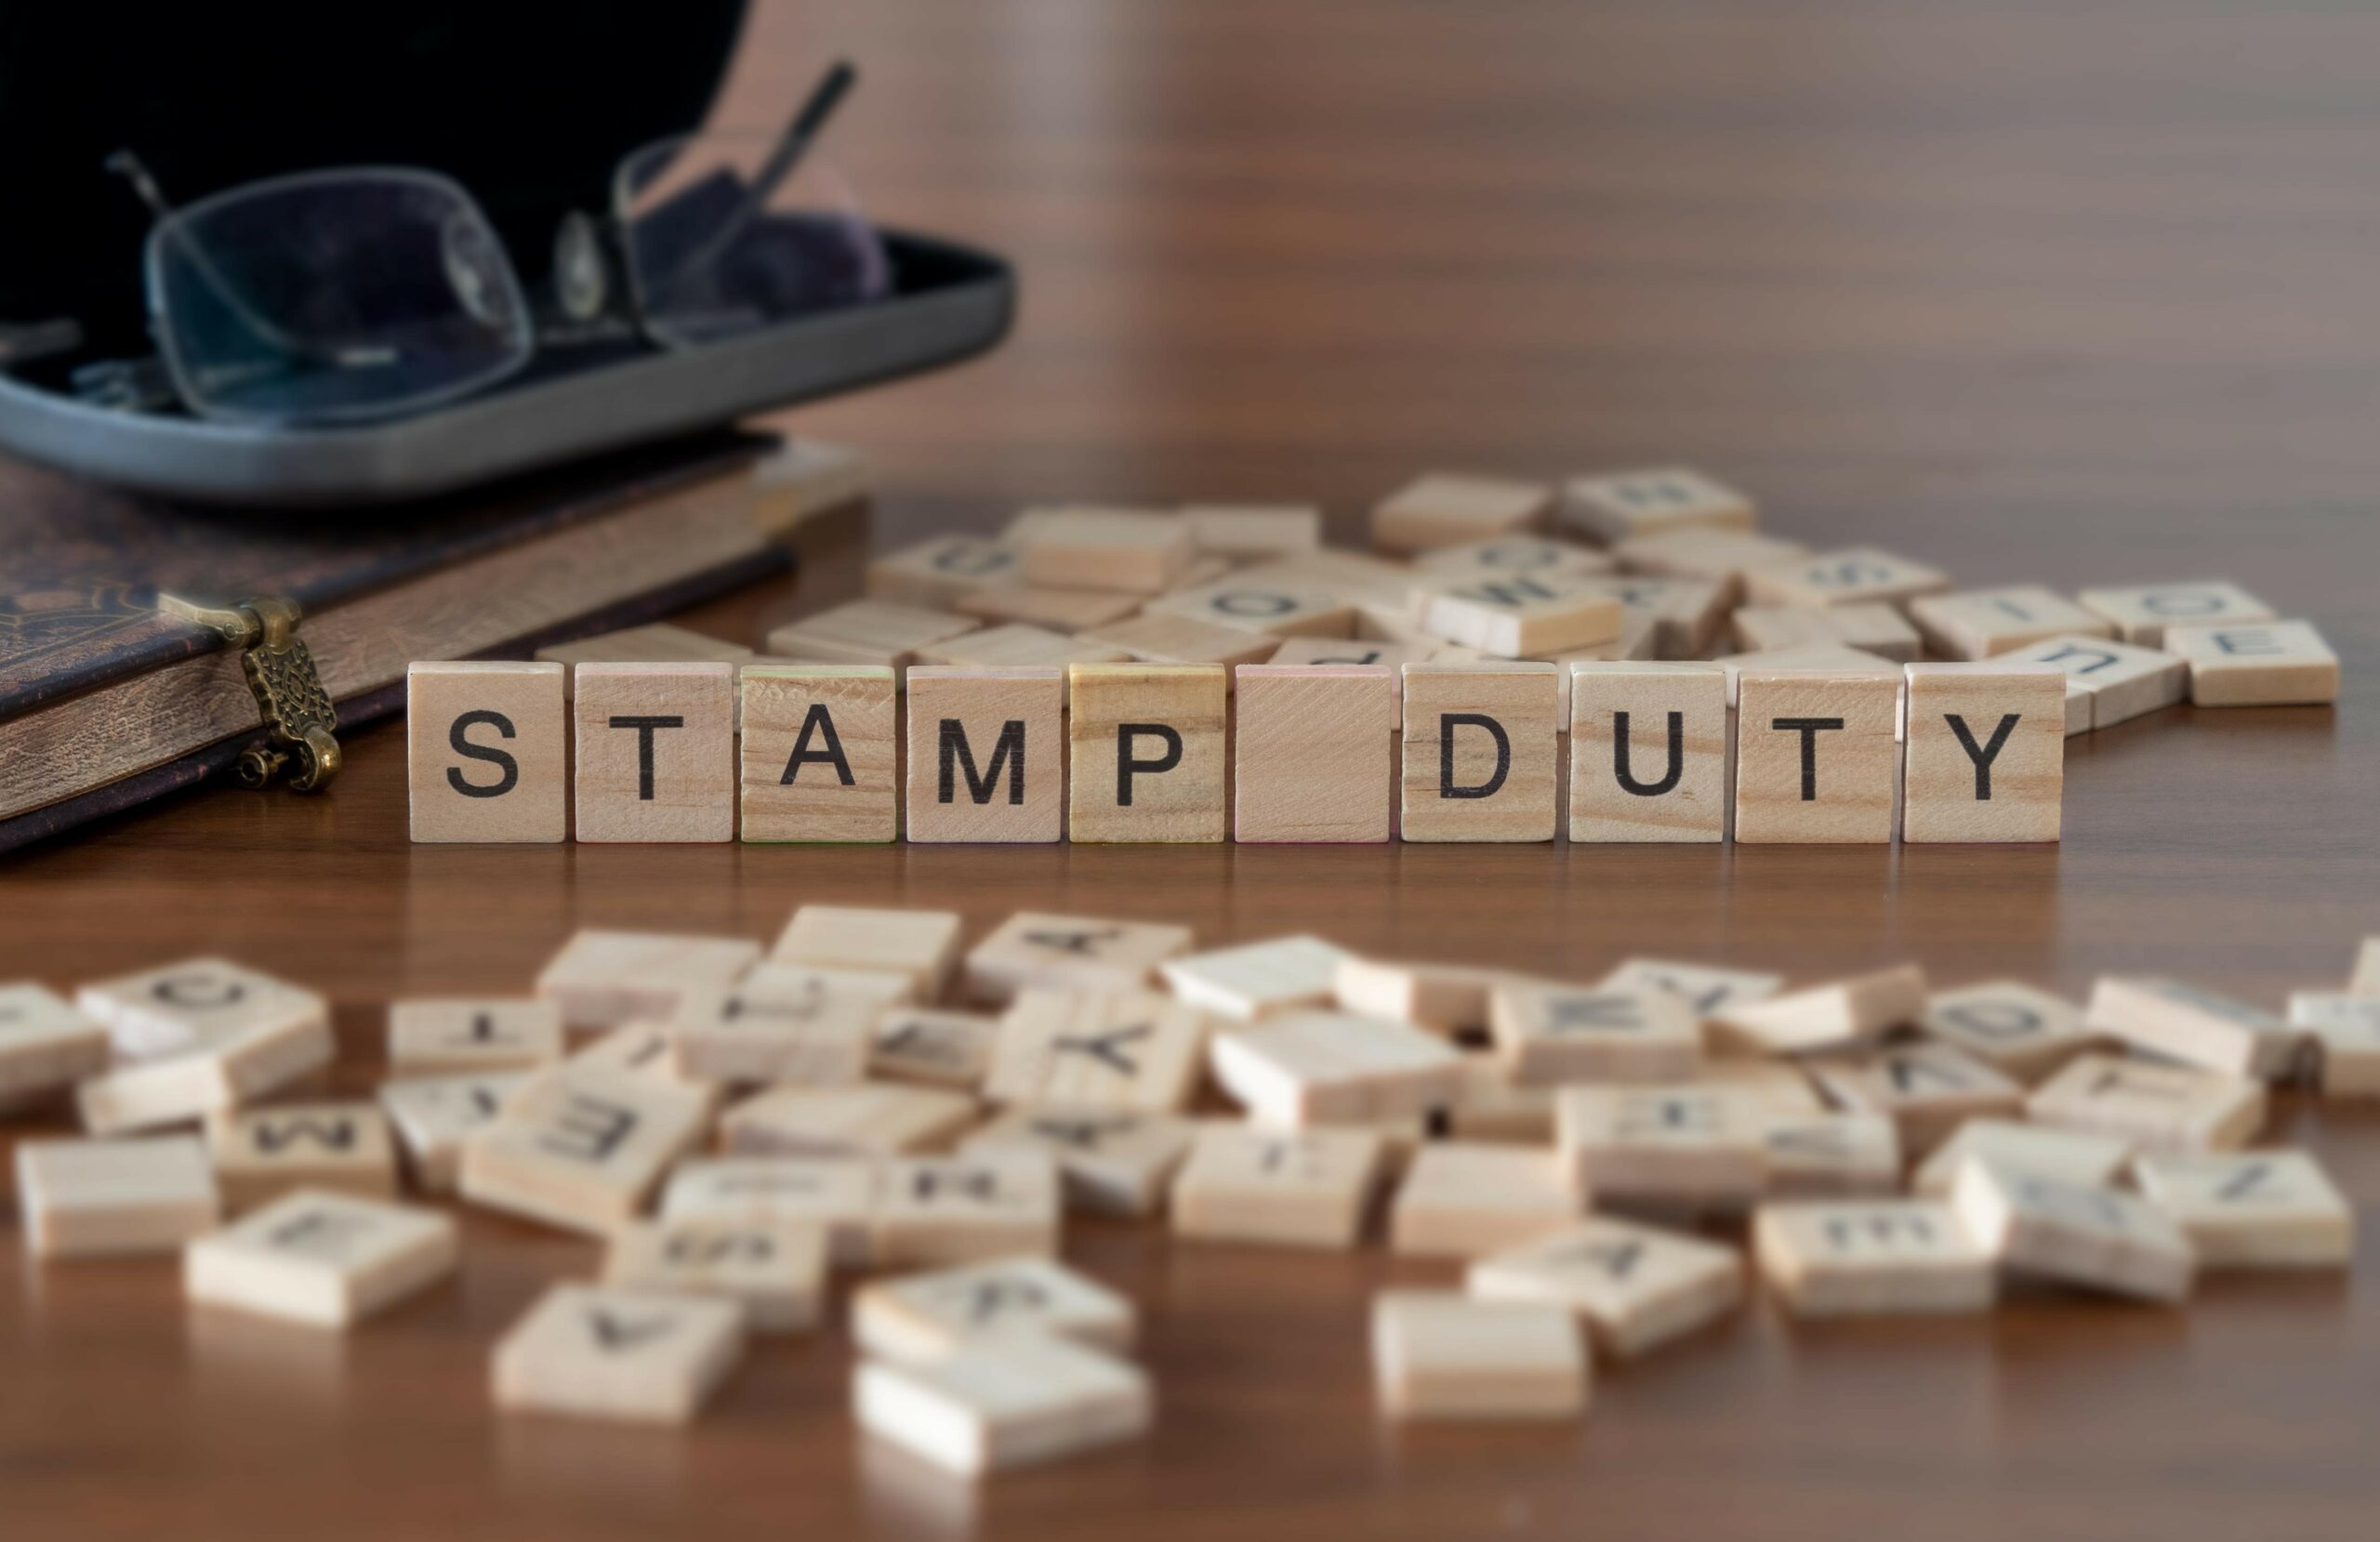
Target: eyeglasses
(369, 292)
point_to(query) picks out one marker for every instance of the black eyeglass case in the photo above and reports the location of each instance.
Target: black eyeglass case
(529, 105)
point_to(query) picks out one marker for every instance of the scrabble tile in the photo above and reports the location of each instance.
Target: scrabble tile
(1294, 1187)
(1003, 1402)
(1158, 638)
(925, 1317)
(321, 1258)
(194, 1003)
(835, 1195)
(1465, 1199)
(1872, 1257)
(1446, 509)
(225, 1072)
(448, 1036)
(485, 757)
(1705, 551)
(805, 479)
(922, 946)
(582, 1150)
(1264, 601)
(1492, 1106)
(1832, 1156)
(1687, 1145)
(92, 1198)
(2066, 1232)
(2176, 1020)
(1444, 998)
(1480, 751)
(933, 1210)
(1308, 652)
(865, 631)
(2068, 1156)
(1132, 551)
(930, 1048)
(1312, 1067)
(1065, 612)
(431, 1116)
(655, 747)
(1146, 751)
(606, 979)
(1980, 623)
(1704, 987)
(1872, 629)
(1985, 753)
(2120, 681)
(1648, 752)
(1631, 503)
(1687, 613)
(2264, 1209)
(658, 643)
(1518, 614)
(2154, 1106)
(2141, 612)
(819, 753)
(261, 1153)
(1927, 1089)
(869, 1119)
(986, 759)
(640, 1356)
(1636, 1287)
(1511, 556)
(2023, 1031)
(1315, 750)
(1815, 757)
(1780, 1087)
(2345, 1034)
(1131, 1050)
(774, 1270)
(1444, 1356)
(1110, 1161)
(1549, 1034)
(1853, 575)
(1845, 1014)
(1070, 951)
(45, 1046)
(2256, 663)
(1255, 980)
(782, 1022)
(940, 571)
(1015, 645)
(1806, 658)
(1248, 532)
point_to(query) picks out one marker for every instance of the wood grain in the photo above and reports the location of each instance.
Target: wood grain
(2078, 294)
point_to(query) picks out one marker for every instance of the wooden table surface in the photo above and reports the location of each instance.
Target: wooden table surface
(2075, 293)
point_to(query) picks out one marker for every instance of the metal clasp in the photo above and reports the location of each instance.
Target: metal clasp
(300, 721)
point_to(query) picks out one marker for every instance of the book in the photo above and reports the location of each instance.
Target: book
(109, 697)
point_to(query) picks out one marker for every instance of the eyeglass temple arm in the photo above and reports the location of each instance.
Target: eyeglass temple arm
(127, 165)
(807, 125)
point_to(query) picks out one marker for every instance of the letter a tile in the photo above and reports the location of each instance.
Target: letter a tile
(818, 753)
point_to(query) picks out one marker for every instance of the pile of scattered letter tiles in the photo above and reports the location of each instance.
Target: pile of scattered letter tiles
(1601, 1164)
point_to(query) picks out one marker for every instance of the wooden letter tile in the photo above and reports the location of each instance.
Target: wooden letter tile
(2068, 1156)
(1844, 1015)
(1438, 1356)
(323, 1259)
(1461, 1200)
(580, 1149)
(1072, 952)
(2120, 681)
(1444, 998)
(1704, 551)
(833, 1194)
(1832, 1156)
(2256, 663)
(45, 1046)
(2345, 1033)
(1003, 1402)
(920, 945)
(261, 1153)
(1511, 556)
(865, 631)
(1980, 624)
(2264, 1209)
(2157, 1107)
(924, 1317)
(433, 1115)
(920, 1045)
(1549, 1034)
(1294, 1187)
(2142, 613)
(656, 751)
(782, 1022)
(1816, 756)
(1245, 533)
(1132, 551)
(933, 1210)
(1617, 507)
(1016, 646)
(96, 1198)
(1275, 604)
(608, 978)
(1480, 751)
(986, 753)
(1872, 627)
(774, 1270)
(223, 1072)
(196, 1003)
(1156, 637)
(1987, 752)
(453, 1034)
(1689, 1144)
(1872, 1257)
(870, 1119)
(1927, 1089)
(1703, 987)
(1519, 613)
(1446, 509)
(2023, 1031)
(1110, 1161)
(1308, 1067)
(1130, 1050)
(633, 1355)
(1637, 1287)
(1317, 752)
(484, 751)
(1854, 575)
(1147, 757)
(2180, 1021)
(658, 643)
(1648, 752)
(941, 571)
(2085, 1236)
(819, 751)
(1687, 613)
(1258, 978)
